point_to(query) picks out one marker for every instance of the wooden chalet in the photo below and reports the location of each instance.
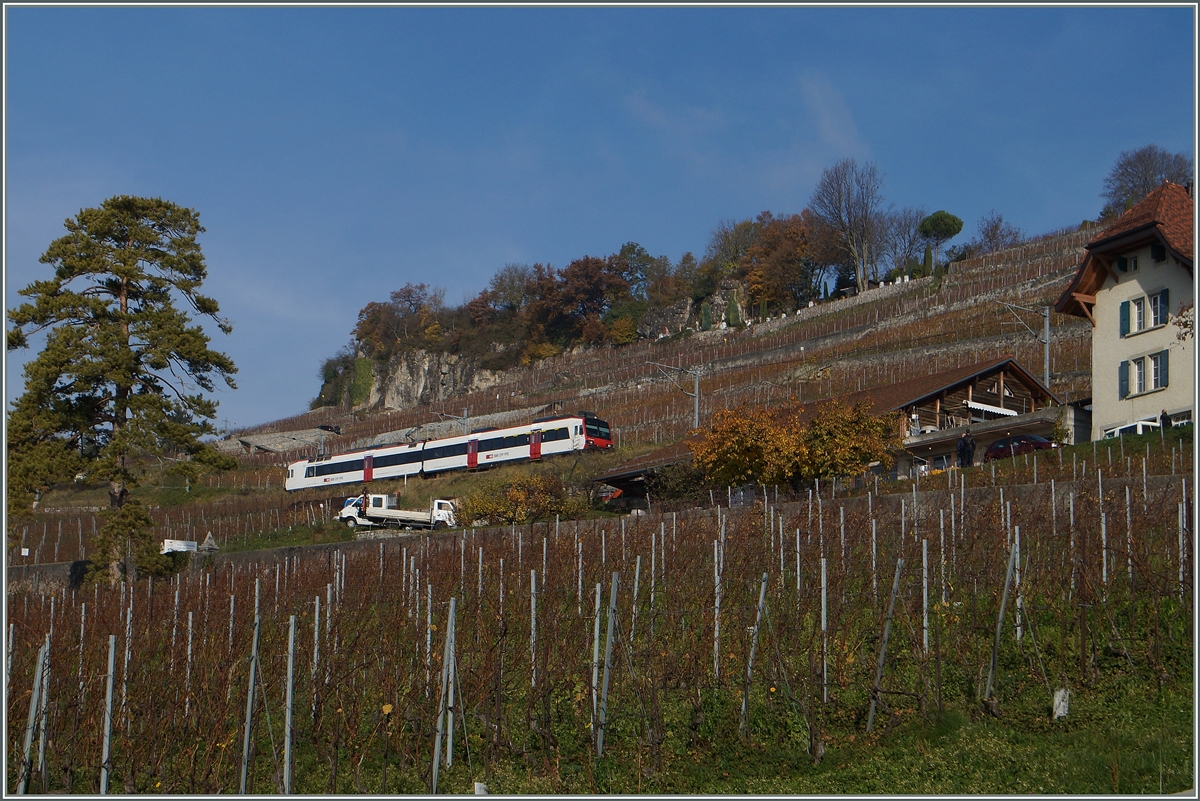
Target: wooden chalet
(990, 399)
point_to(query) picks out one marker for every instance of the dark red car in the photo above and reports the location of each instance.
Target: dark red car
(1015, 446)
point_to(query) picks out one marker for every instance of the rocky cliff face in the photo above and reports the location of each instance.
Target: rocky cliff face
(419, 377)
(416, 377)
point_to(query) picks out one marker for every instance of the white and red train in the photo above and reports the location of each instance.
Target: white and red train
(545, 436)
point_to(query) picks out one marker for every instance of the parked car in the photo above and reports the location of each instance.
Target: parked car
(1015, 446)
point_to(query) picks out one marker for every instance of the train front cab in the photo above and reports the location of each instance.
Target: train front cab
(598, 434)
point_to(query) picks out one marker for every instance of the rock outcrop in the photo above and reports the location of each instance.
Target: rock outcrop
(416, 377)
(658, 323)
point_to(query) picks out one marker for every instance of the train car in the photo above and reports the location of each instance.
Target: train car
(482, 448)
(363, 466)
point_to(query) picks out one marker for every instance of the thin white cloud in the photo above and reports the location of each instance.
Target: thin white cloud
(830, 115)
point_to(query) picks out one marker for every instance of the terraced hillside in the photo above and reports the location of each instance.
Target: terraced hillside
(882, 336)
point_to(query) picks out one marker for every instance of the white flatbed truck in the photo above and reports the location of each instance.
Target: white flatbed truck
(382, 511)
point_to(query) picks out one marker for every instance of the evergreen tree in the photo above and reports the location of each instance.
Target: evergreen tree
(120, 376)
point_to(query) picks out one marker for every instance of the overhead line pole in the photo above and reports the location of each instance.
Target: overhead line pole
(1044, 338)
(695, 393)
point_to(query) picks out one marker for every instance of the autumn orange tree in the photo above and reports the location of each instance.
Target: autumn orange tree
(523, 500)
(842, 440)
(794, 443)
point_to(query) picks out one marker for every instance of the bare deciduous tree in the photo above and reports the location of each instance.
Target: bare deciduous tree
(848, 200)
(995, 233)
(903, 242)
(1139, 172)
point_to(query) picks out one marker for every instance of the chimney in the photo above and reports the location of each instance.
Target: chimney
(1190, 187)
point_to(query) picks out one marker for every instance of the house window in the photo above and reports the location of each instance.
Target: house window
(1159, 308)
(1132, 263)
(1158, 369)
(1138, 321)
(1139, 375)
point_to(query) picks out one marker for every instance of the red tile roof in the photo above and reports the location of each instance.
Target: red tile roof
(1169, 207)
(1166, 213)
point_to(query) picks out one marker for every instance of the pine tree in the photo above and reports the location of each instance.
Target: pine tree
(119, 378)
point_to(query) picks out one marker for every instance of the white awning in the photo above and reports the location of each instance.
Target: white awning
(983, 407)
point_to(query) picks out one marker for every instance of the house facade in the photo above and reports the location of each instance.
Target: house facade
(1131, 285)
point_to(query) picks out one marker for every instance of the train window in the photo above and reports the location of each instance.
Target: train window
(407, 457)
(310, 472)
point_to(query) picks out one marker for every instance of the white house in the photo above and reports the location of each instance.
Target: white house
(1133, 283)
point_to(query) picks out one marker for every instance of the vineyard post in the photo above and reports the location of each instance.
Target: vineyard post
(1104, 552)
(441, 716)
(596, 655)
(174, 627)
(82, 631)
(612, 617)
(34, 703)
(654, 567)
(924, 595)
(187, 681)
(108, 700)
(44, 703)
(1182, 516)
(1017, 577)
(249, 708)
(1145, 491)
(1129, 537)
(824, 634)
(798, 556)
(429, 636)
(716, 612)
(579, 580)
(287, 722)
(453, 675)
(533, 629)
(762, 600)
(1012, 558)
(637, 577)
(479, 578)
(782, 558)
(1054, 508)
(942, 549)
(1071, 507)
(12, 626)
(887, 628)
(545, 544)
(316, 649)
(232, 600)
(125, 669)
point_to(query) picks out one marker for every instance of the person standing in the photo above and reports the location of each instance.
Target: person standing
(970, 449)
(961, 448)
(1164, 420)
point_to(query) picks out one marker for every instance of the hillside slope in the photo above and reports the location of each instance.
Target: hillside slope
(882, 336)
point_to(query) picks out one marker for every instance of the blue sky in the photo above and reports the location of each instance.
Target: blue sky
(335, 154)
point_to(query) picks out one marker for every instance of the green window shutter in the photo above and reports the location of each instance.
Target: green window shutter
(1165, 304)
(1122, 264)
(1124, 320)
(1163, 374)
(1123, 380)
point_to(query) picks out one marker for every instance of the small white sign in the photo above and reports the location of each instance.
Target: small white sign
(24, 552)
